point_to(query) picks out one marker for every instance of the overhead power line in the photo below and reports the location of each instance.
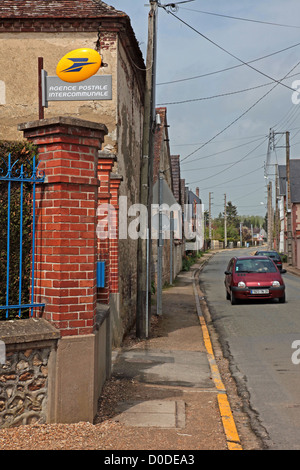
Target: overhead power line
(239, 117)
(231, 165)
(221, 95)
(243, 19)
(226, 51)
(228, 68)
(226, 150)
(226, 140)
(229, 181)
(223, 164)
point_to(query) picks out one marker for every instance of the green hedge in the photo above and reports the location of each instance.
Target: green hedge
(22, 153)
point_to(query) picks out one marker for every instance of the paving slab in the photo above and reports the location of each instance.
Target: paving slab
(154, 413)
(165, 367)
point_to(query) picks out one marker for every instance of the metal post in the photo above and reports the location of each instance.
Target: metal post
(21, 238)
(40, 68)
(209, 220)
(270, 216)
(288, 200)
(171, 245)
(8, 232)
(276, 210)
(147, 294)
(160, 247)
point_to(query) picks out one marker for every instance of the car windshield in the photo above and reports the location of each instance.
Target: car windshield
(255, 266)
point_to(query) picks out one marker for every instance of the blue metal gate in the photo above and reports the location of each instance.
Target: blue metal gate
(13, 174)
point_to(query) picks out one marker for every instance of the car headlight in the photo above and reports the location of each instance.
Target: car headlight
(241, 284)
(275, 283)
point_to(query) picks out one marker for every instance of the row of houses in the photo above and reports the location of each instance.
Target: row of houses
(294, 208)
(78, 344)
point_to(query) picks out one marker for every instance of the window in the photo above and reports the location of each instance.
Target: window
(255, 266)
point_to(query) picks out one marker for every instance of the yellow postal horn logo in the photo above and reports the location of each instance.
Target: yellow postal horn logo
(78, 65)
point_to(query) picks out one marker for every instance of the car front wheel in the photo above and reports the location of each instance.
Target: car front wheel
(233, 299)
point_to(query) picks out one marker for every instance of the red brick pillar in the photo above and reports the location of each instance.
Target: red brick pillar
(66, 213)
(105, 164)
(115, 182)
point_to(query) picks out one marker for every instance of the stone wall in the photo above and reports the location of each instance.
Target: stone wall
(25, 387)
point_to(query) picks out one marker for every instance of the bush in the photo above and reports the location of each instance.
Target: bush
(283, 257)
(189, 259)
(22, 153)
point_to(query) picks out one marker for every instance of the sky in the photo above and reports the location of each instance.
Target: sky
(220, 120)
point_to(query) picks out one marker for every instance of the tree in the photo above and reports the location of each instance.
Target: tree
(232, 225)
(232, 215)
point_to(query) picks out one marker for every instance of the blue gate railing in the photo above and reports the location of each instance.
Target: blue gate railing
(12, 174)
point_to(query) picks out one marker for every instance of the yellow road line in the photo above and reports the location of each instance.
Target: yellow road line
(232, 437)
(211, 357)
(233, 440)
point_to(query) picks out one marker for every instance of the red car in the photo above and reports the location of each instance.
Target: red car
(253, 277)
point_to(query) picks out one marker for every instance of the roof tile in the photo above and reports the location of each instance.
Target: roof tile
(57, 9)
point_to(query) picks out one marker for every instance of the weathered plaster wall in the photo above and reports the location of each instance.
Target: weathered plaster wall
(19, 76)
(129, 139)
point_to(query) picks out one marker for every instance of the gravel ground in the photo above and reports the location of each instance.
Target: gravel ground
(109, 435)
(203, 428)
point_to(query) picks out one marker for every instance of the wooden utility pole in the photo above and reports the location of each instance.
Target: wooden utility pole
(225, 222)
(209, 217)
(241, 234)
(146, 175)
(288, 201)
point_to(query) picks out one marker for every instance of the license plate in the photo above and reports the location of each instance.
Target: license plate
(259, 291)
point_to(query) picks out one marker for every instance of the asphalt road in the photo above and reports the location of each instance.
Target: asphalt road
(257, 337)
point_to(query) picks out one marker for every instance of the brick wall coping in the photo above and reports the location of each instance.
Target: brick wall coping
(27, 331)
(62, 120)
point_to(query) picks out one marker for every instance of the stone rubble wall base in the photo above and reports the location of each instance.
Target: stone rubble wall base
(24, 376)
(51, 379)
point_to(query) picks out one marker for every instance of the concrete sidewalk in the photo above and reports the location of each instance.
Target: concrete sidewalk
(171, 395)
(291, 269)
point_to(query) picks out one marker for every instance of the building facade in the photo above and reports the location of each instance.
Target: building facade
(33, 29)
(295, 209)
(167, 167)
